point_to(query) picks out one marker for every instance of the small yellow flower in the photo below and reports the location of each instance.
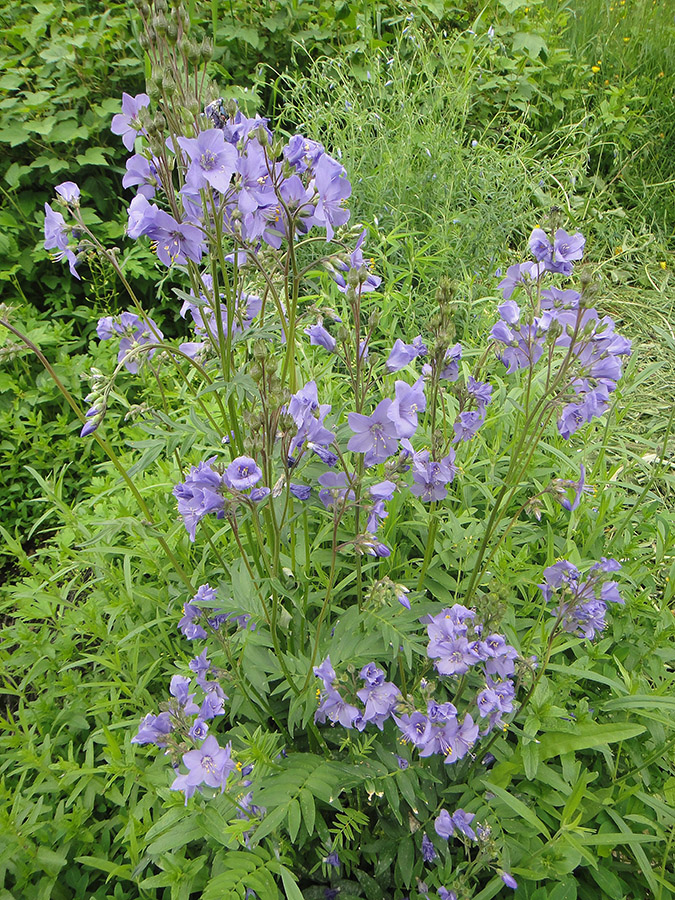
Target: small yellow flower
(663, 264)
(595, 69)
(618, 250)
(599, 62)
(662, 74)
(626, 39)
(606, 80)
(662, 135)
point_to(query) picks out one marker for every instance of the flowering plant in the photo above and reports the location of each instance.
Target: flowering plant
(327, 473)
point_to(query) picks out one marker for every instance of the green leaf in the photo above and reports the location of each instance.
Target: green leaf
(519, 807)
(308, 809)
(586, 737)
(405, 860)
(512, 5)
(290, 884)
(532, 44)
(294, 819)
(641, 701)
(93, 156)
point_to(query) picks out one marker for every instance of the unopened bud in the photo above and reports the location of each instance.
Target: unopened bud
(260, 351)
(353, 278)
(206, 50)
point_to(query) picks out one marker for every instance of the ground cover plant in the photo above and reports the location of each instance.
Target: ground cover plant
(392, 601)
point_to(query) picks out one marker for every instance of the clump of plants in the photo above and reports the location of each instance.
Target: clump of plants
(363, 682)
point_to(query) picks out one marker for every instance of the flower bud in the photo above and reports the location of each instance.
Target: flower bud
(256, 372)
(353, 278)
(261, 351)
(206, 50)
(192, 51)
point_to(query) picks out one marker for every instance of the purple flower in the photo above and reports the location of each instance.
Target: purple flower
(213, 704)
(332, 860)
(460, 821)
(179, 687)
(212, 161)
(402, 762)
(582, 604)
(415, 728)
(509, 880)
(199, 730)
(333, 188)
(302, 153)
(335, 709)
(540, 246)
(428, 850)
(566, 249)
(375, 435)
(319, 337)
(579, 487)
(176, 241)
(450, 370)
(242, 473)
(467, 424)
(334, 486)
(69, 192)
(325, 672)
(401, 595)
(480, 391)
(56, 238)
(127, 123)
(199, 495)
(403, 411)
(187, 624)
(301, 491)
(367, 281)
(153, 730)
(403, 354)
(142, 172)
(443, 825)
(517, 274)
(444, 894)
(379, 700)
(134, 332)
(210, 765)
(430, 478)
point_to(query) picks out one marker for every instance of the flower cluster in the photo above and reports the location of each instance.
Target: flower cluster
(560, 319)
(183, 723)
(61, 237)
(439, 729)
(203, 490)
(134, 333)
(582, 605)
(205, 317)
(258, 196)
